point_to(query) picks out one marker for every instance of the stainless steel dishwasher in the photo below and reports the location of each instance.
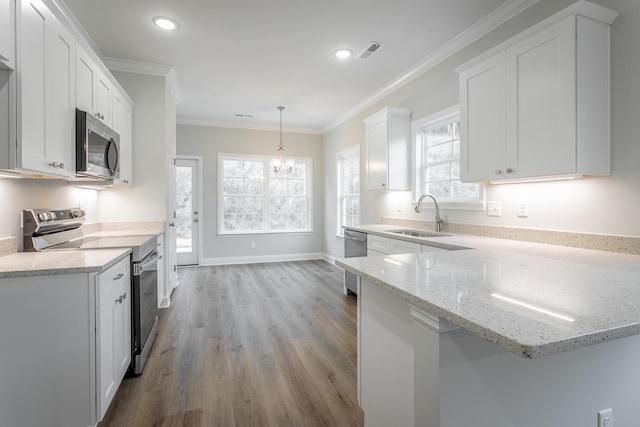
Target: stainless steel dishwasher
(355, 245)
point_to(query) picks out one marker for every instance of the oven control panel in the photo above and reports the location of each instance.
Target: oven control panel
(38, 221)
(46, 215)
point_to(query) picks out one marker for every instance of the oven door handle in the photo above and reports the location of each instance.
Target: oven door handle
(154, 260)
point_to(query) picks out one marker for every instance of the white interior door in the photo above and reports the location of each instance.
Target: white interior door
(188, 210)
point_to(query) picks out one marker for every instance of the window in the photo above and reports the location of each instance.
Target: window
(348, 167)
(438, 161)
(252, 198)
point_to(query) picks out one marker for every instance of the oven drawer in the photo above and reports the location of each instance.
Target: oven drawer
(115, 277)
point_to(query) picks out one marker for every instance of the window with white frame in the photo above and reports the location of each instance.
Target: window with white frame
(348, 169)
(438, 160)
(252, 198)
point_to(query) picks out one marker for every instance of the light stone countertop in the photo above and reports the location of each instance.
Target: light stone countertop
(531, 299)
(24, 264)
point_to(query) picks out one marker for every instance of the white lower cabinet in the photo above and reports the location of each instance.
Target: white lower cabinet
(67, 346)
(113, 328)
(388, 246)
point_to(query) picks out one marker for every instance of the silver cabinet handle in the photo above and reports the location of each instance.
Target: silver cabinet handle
(509, 170)
(121, 298)
(119, 276)
(195, 220)
(172, 224)
(61, 165)
(54, 164)
(498, 172)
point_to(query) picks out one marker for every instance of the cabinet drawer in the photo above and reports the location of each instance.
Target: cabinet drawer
(377, 243)
(115, 280)
(402, 247)
(390, 246)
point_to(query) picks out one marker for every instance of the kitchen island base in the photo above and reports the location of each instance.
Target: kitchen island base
(416, 369)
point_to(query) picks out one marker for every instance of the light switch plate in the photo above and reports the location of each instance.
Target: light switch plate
(494, 208)
(523, 209)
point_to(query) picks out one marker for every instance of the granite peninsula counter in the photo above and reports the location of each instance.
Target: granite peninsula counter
(442, 330)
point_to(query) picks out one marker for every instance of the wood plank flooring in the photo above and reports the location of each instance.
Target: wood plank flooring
(249, 345)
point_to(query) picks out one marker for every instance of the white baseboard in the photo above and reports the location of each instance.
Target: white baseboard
(164, 302)
(329, 258)
(263, 258)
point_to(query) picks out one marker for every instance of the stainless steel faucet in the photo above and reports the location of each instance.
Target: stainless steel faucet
(438, 220)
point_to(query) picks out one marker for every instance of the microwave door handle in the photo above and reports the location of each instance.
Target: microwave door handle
(115, 147)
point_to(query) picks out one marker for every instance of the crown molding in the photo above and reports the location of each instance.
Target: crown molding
(485, 25)
(147, 68)
(75, 24)
(247, 126)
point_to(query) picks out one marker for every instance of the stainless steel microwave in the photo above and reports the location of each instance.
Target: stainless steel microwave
(97, 148)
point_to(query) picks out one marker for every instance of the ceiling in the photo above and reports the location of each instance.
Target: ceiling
(249, 56)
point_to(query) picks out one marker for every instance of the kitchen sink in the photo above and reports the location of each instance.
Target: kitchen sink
(416, 233)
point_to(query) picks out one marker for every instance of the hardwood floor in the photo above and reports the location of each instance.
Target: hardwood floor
(249, 345)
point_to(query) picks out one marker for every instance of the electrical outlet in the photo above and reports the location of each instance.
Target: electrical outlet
(605, 418)
(494, 209)
(253, 245)
(523, 209)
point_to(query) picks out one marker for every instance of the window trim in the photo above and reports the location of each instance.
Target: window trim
(267, 159)
(417, 169)
(340, 155)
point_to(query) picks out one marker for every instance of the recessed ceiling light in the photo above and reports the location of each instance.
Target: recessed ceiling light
(342, 53)
(165, 23)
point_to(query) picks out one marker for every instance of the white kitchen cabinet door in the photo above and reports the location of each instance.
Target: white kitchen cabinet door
(45, 123)
(482, 119)
(539, 106)
(7, 39)
(93, 89)
(113, 329)
(541, 103)
(103, 99)
(122, 121)
(388, 142)
(60, 99)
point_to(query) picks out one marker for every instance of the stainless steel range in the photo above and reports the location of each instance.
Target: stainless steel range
(59, 229)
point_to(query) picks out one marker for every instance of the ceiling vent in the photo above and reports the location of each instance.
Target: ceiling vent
(370, 50)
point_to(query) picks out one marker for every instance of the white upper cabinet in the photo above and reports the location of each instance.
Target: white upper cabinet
(122, 124)
(93, 89)
(483, 114)
(388, 142)
(45, 131)
(7, 40)
(538, 106)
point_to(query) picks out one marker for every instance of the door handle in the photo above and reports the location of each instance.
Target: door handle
(195, 220)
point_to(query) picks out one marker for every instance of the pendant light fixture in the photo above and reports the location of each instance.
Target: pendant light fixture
(279, 163)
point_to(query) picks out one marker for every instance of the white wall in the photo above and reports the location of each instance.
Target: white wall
(146, 201)
(208, 142)
(607, 205)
